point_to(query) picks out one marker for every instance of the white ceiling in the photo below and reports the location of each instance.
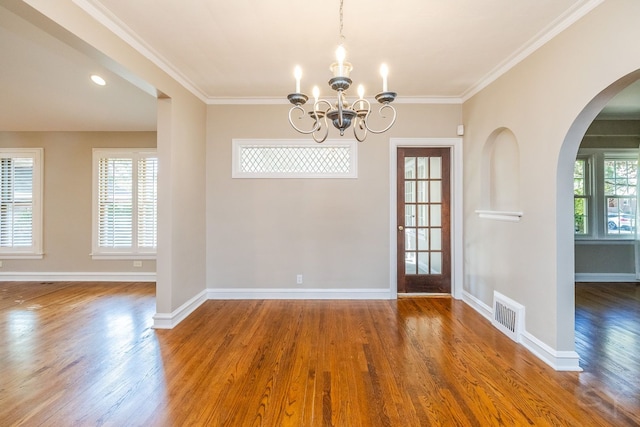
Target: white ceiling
(245, 51)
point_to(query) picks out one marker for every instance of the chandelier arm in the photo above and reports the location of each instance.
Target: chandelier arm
(360, 127)
(321, 116)
(316, 124)
(363, 127)
(320, 138)
(380, 112)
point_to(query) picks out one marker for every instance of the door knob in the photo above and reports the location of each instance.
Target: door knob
(400, 228)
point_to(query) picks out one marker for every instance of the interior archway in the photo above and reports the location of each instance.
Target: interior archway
(564, 202)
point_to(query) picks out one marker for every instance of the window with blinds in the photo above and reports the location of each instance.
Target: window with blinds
(125, 203)
(20, 203)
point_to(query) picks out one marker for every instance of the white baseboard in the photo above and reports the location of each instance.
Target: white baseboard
(170, 320)
(558, 360)
(78, 277)
(274, 293)
(477, 305)
(605, 277)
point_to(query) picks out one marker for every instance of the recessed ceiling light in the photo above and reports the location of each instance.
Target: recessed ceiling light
(98, 80)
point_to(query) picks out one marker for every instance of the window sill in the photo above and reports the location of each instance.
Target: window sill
(500, 215)
(614, 241)
(21, 256)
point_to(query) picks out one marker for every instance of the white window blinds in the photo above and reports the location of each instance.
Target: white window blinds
(20, 202)
(126, 203)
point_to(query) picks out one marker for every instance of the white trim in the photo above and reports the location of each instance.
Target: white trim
(294, 293)
(604, 242)
(558, 360)
(415, 100)
(101, 14)
(456, 208)
(552, 30)
(123, 256)
(78, 277)
(479, 306)
(238, 144)
(170, 320)
(605, 277)
(500, 215)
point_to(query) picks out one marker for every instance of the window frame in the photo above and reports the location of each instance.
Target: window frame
(35, 251)
(598, 209)
(588, 196)
(239, 144)
(124, 253)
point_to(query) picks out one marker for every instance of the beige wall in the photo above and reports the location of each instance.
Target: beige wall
(539, 100)
(261, 233)
(67, 199)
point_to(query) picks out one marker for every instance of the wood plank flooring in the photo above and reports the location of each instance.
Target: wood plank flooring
(84, 354)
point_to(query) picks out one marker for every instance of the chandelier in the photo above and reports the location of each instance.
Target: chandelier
(341, 113)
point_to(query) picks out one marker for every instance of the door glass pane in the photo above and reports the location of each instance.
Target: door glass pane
(410, 263)
(410, 192)
(410, 238)
(436, 239)
(422, 167)
(409, 167)
(423, 262)
(436, 262)
(410, 215)
(423, 216)
(436, 215)
(422, 191)
(436, 192)
(423, 239)
(435, 171)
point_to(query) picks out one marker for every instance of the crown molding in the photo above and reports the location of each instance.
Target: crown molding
(100, 13)
(283, 101)
(564, 21)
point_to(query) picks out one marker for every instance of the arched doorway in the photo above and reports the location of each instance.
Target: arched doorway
(565, 208)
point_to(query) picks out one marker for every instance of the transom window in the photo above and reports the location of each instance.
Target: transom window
(258, 158)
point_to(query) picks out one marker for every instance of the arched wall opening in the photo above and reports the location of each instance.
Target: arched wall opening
(564, 194)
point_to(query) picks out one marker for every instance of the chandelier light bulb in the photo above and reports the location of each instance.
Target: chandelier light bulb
(297, 72)
(316, 94)
(361, 95)
(384, 72)
(341, 54)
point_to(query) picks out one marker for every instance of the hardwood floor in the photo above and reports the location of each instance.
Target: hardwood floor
(85, 354)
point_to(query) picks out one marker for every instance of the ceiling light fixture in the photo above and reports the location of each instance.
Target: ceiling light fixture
(98, 80)
(341, 113)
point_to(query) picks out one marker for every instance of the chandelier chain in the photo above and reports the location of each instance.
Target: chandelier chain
(341, 41)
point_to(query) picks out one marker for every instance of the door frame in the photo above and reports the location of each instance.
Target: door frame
(455, 144)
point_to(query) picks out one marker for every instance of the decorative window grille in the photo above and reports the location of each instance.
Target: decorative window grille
(21, 203)
(125, 203)
(294, 159)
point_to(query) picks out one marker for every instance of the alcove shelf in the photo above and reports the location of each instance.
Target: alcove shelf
(499, 215)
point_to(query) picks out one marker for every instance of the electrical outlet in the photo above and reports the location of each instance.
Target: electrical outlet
(299, 279)
(137, 263)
